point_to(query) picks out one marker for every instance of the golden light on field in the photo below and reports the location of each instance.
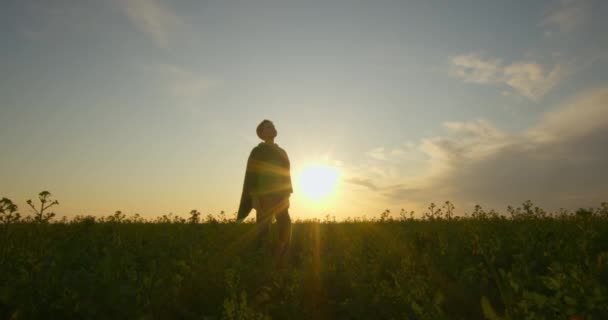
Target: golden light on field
(318, 181)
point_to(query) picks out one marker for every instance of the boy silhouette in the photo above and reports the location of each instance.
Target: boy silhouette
(267, 188)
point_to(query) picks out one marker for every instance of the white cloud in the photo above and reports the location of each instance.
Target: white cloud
(478, 128)
(186, 88)
(528, 79)
(377, 154)
(363, 182)
(418, 163)
(567, 16)
(392, 155)
(577, 118)
(558, 162)
(185, 84)
(466, 141)
(473, 69)
(153, 18)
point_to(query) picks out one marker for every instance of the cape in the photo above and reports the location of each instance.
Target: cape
(267, 172)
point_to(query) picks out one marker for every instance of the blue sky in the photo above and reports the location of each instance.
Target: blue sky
(151, 106)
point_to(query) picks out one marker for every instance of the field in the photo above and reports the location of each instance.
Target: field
(523, 264)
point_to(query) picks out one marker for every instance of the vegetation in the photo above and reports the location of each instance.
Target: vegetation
(525, 264)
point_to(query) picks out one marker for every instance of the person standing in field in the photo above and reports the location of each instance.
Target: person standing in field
(267, 188)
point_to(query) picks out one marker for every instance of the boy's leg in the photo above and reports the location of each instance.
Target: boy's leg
(283, 226)
(263, 221)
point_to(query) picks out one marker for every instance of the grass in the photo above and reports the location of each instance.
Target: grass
(527, 264)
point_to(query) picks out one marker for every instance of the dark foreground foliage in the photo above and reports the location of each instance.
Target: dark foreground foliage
(525, 265)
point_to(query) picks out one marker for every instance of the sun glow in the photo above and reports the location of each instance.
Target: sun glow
(318, 181)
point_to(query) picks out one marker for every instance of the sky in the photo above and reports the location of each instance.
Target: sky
(150, 106)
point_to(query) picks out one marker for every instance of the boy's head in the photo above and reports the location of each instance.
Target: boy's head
(266, 130)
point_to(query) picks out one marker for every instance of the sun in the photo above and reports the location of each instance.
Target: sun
(318, 181)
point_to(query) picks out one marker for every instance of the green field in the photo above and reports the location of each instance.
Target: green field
(525, 264)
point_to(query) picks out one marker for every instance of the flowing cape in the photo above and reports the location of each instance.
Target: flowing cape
(267, 172)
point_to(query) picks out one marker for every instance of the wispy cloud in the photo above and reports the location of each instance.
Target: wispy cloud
(559, 161)
(477, 128)
(185, 88)
(567, 16)
(394, 191)
(471, 68)
(582, 116)
(363, 182)
(528, 79)
(184, 83)
(153, 18)
(394, 154)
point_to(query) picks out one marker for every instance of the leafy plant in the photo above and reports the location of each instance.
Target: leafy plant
(525, 264)
(40, 215)
(8, 212)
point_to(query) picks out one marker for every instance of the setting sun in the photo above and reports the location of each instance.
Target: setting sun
(318, 181)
